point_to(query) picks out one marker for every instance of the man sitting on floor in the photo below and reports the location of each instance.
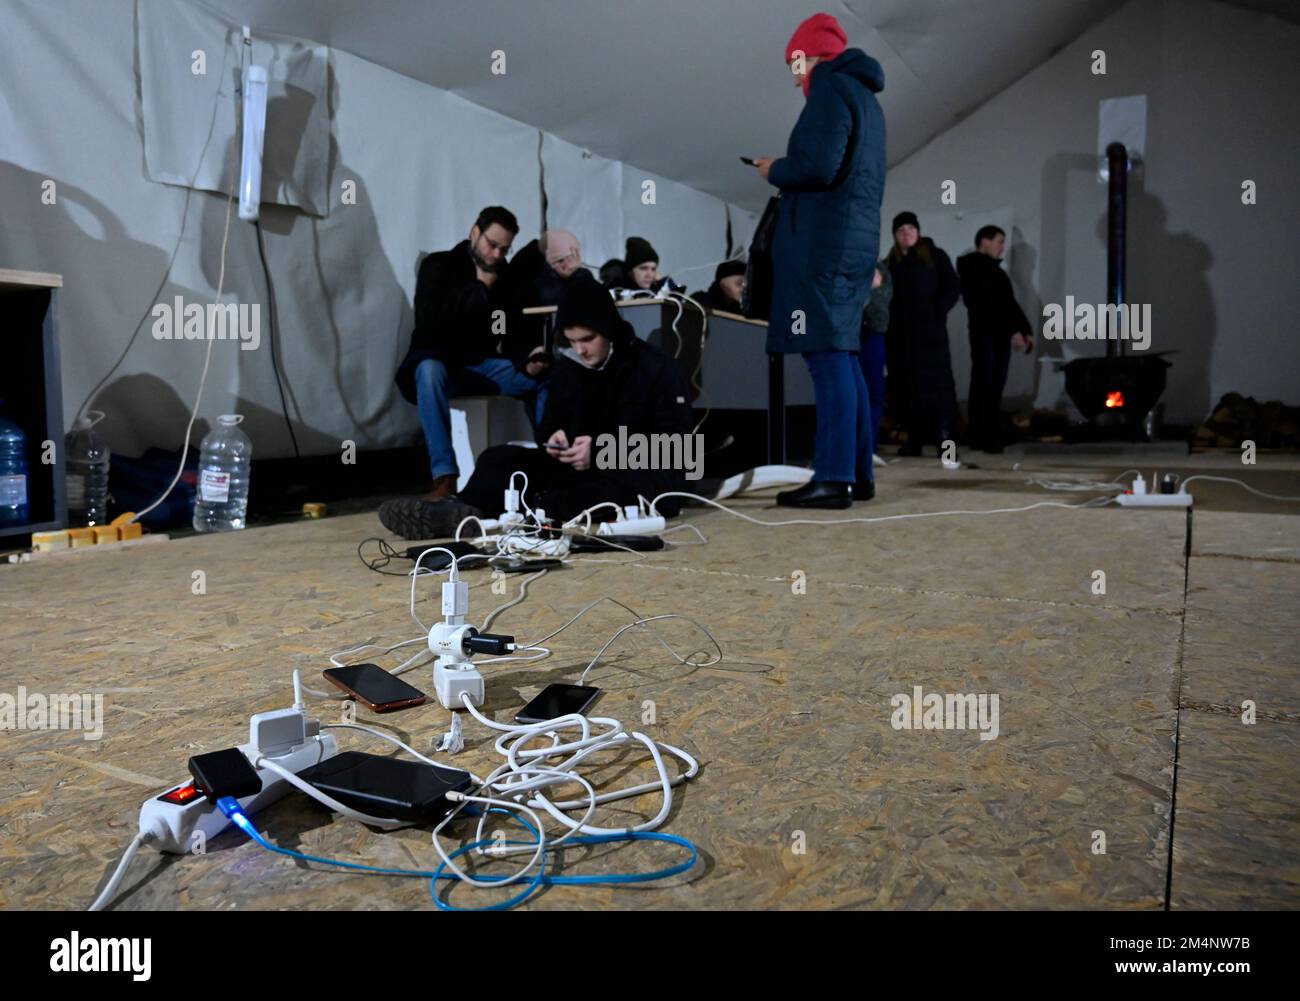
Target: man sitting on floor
(605, 382)
(469, 338)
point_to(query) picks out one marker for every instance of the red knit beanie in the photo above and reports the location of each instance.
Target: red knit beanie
(818, 37)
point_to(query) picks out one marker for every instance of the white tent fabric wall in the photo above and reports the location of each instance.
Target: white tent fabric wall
(409, 167)
(687, 228)
(580, 189)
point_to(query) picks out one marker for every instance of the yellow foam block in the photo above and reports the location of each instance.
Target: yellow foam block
(106, 533)
(78, 537)
(45, 542)
(131, 531)
(123, 518)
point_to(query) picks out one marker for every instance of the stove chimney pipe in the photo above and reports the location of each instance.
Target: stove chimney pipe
(1116, 214)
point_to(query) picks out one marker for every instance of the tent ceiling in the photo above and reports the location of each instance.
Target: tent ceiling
(680, 87)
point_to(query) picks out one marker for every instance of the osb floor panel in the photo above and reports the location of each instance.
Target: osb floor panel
(792, 728)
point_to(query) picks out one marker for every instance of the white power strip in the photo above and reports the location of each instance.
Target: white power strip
(175, 816)
(531, 546)
(632, 526)
(1140, 498)
(1155, 500)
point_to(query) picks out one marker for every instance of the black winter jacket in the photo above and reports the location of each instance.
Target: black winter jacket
(991, 305)
(453, 316)
(640, 389)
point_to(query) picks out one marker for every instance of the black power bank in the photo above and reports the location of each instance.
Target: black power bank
(615, 543)
(395, 788)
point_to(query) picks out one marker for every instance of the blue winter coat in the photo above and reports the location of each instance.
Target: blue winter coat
(828, 234)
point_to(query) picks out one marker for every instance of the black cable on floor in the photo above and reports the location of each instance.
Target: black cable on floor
(275, 325)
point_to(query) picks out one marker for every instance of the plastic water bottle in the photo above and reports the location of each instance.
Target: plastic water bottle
(13, 474)
(226, 454)
(87, 458)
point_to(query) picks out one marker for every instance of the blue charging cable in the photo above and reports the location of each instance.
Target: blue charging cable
(229, 806)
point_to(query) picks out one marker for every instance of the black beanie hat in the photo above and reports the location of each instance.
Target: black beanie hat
(639, 251)
(905, 219)
(587, 304)
(729, 269)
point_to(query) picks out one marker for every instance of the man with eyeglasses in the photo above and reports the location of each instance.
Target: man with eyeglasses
(469, 338)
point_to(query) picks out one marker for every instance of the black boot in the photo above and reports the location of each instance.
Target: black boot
(911, 448)
(864, 489)
(416, 518)
(817, 493)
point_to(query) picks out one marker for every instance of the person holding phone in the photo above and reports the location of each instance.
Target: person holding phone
(605, 382)
(824, 249)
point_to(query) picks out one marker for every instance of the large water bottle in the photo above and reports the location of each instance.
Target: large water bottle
(226, 454)
(87, 459)
(13, 474)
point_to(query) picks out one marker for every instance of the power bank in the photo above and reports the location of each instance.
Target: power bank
(388, 787)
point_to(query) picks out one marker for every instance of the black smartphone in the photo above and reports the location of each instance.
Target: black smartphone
(749, 160)
(558, 700)
(388, 787)
(438, 560)
(371, 685)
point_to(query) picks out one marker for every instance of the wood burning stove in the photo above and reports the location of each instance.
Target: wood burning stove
(1115, 393)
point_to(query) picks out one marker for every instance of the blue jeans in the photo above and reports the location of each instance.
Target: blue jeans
(436, 384)
(843, 449)
(871, 357)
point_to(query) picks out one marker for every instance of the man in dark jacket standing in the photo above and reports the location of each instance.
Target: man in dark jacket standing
(469, 338)
(997, 324)
(605, 382)
(824, 249)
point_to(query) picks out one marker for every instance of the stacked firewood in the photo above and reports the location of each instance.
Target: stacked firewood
(1240, 418)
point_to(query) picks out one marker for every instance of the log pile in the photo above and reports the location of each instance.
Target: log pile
(1240, 418)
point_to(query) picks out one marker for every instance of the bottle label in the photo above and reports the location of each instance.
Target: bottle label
(76, 487)
(214, 487)
(13, 490)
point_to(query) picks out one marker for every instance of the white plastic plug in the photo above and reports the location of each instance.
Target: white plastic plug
(455, 600)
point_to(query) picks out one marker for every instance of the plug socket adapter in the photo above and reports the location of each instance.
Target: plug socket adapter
(278, 732)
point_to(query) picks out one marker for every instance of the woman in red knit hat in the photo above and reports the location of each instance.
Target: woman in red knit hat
(824, 249)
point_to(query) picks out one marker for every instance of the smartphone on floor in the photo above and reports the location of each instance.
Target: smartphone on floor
(558, 700)
(375, 688)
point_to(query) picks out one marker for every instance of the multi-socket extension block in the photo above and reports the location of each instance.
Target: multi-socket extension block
(1139, 497)
(183, 811)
